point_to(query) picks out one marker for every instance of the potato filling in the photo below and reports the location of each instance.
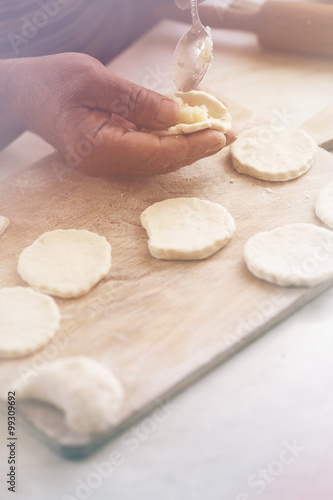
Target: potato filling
(191, 114)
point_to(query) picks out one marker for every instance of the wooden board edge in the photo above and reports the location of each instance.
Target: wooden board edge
(74, 451)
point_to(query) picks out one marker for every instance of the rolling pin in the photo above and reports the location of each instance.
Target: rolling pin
(289, 26)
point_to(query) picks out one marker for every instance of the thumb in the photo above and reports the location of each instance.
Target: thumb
(143, 107)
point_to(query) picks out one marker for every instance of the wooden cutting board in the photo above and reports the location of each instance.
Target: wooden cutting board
(156, 324)
(159, 325)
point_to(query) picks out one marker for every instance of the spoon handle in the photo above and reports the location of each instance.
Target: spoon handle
(194, 12)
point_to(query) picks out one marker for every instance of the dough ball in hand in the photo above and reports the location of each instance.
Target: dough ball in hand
(198, 111)
(187, 228)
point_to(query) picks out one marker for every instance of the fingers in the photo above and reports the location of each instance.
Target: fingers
(230, 137)
(143, 107)
(121, 122)
(120, 152)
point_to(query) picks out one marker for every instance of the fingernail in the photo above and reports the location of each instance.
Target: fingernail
(215, 149)
(167, 112)
(231, 138)
(219, 144)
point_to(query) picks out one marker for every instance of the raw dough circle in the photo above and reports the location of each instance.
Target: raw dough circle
(86, 391)
(187, 228)
(28, 320)
(291, 255)
(198, 111)
(4, 223)
(324, 205)
(271, 155)
(66, 263)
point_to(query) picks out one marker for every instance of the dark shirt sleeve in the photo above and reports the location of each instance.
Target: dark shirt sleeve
(101, 28)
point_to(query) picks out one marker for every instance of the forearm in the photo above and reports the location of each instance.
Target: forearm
(26, 98)
(11, 122)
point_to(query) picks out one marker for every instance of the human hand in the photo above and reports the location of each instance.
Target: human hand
(93, 118)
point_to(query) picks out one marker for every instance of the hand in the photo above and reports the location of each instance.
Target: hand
(185, 4)
(93, 118)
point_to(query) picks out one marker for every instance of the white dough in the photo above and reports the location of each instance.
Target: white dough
(86, 391)
(291, 255)
(4, 223)
(66, 263)
(271, 155)
(187, 228)
(198, 111)
(28, 320)
(324, 205)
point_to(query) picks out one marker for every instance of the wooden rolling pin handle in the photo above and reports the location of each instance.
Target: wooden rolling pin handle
(290, 26)
(297, 27)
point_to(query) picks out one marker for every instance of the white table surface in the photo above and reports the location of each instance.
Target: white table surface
(227, 436)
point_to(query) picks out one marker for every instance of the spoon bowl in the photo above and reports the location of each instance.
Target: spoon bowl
(193, 54)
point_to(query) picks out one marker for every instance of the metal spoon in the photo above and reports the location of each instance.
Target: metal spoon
(193, 53)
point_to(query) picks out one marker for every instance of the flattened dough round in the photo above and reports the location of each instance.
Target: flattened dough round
(198, 111)
(291, 255)
(271, 155)
(28, 320)
(324, 205)
(66, 262)
(4, 223)
(86, 391)
(187, 228)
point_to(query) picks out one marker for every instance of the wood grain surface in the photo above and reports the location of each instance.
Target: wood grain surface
(156, 324)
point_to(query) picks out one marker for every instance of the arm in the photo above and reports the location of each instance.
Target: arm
(94, 118)
(10, 124)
